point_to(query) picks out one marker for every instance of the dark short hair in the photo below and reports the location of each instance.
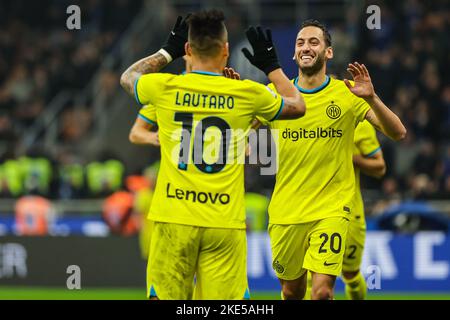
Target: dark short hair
(316, 23)
(207, 32)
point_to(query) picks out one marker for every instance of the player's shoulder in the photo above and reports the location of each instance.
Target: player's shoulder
(158, 76)
(251, 83)
(340, 88)
(339, 83)
(255, 87)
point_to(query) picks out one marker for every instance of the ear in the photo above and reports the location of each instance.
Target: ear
(226, 50)
(187, 49)
(188, 62)
(329, 53)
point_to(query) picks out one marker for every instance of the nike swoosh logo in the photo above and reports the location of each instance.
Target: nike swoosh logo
(268, 49)
(173, 33)
(326, 264)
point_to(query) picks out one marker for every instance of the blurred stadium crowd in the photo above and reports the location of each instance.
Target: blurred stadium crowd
(39, 58)
(407, 59)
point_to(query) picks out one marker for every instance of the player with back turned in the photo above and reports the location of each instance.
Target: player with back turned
(198, 205)
(142, 133)
(311, 204)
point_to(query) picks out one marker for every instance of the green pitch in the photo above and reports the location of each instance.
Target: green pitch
(18, 293)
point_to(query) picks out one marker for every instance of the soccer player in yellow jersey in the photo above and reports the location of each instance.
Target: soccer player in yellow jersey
(198, 206)
(311, 204)
(141, 134)
(368, 159)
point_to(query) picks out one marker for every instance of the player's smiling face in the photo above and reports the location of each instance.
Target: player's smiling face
(311, 50)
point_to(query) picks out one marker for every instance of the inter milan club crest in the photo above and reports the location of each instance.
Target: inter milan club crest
(333, 111)
(277, 267)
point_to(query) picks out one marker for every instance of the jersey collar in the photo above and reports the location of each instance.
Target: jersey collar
(208, 73)
(314, 90)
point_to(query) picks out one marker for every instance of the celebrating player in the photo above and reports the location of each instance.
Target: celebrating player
(368, 159)
(311, 206)
(198, 206)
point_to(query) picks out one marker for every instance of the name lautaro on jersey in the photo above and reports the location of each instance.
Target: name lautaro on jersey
(197, 196)
(317, 133)
(202, 100)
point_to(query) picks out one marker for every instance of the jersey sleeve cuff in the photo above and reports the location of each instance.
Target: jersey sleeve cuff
(279, 111)
(365, 114)
(373, 152)
(136, 96)
(147, 120)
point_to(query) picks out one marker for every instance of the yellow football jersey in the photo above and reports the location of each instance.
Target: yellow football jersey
(315, 178)
(203, 120)
(148, 114)
(366, 144)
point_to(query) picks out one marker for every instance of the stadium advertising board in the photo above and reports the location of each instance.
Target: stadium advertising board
(392, 262)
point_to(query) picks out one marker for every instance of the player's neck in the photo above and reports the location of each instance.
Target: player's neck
(208, 66)
(311, 82)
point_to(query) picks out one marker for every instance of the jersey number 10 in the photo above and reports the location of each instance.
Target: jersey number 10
(186, 118)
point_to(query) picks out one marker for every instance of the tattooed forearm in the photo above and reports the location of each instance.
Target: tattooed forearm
(151, 64)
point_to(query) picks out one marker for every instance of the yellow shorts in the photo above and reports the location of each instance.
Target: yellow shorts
(145, 234)
(317, 246)
(354, 247)
(217, 257)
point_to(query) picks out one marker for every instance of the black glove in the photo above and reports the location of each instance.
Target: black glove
(177, 38)
(264, 53)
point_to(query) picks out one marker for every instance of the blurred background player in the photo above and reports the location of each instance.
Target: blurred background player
(256, 205)
(118, 213)
(34, 215)
(202, 229)
(143, 197)
(311, 205)
(368, 159)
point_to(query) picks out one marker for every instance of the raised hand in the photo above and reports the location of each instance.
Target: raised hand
(177, 38)
(231, 74)
(363, 86)
(264, 55)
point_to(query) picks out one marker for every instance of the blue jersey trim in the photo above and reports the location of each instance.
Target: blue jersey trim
(373, 152)
(247, 294)
(206, 73)
(147, 119)
(314, 90)
(279, 111)
(136, 96)
(152, 292)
